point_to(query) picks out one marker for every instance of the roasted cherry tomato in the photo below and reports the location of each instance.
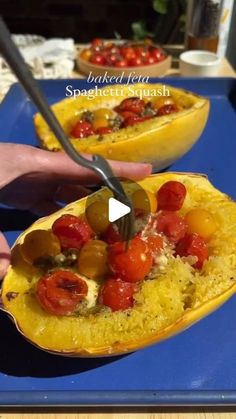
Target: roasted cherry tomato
(155, 244)
(135, 62)
(121, 63)
(151, 60)
(171, 196)
(97, 43)
(39, 243)
(132, 120)
(82, 129)
(103, 130)
(117, 294)
(86, 54)
(201, 222)
(160, 101)
(98, 59)
(128, 53)
(111, 59)
(97, 216)
(60, 292)
(167, 109)
(72, 231)
(171, 224)
(127, 114)
(157, 53)
(193, 245)
(133, 264)
(132, 104)
(144, 200)
(103, 113)
(92, 261)
(111, 235)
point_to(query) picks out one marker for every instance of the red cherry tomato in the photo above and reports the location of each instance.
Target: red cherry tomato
(171, 224)
(117, 294)
(97, 43)
(121, 63)
(98, 59)
(111, 235)
(135, 62)
(171, 196)
(193, 245)
(155, 243)
(103, 130)
(72, 231)
(132, 104)
(132, 120)
(127, 114)
(111, 59)
(60, 293)
(167, 110)
(128, 53)
(139, 50)
(151, 60)
(133, 264)
(82, 129)
(157, 53)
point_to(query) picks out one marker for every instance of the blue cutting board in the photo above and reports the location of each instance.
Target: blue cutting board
(196, 367)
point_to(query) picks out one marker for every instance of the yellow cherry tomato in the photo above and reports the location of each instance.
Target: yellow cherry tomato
(97, 216)
(201, 222)
(86, 54)
(160, 101)
(92, 261)
(101, 117)
(103, 113)
(39, 243)
(100, 122)
(144, 200)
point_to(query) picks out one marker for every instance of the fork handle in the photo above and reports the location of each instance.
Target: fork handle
(16, 62)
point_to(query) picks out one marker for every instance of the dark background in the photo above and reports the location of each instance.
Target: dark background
(80, 19)
(86, 19)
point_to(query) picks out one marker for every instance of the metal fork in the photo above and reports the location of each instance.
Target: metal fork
(98, 164)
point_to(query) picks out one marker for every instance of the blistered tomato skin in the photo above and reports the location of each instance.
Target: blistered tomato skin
(72, 231)
(201, 222)
(82, 129)
(133, 120)
(133, 264)
(193, 245)
(133, 104)
(171, 196)
(167, 110)
(117, 294)
(171, 225)
(155, 244)
(60, 293)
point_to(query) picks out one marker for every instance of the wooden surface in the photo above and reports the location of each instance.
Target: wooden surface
(127, 413)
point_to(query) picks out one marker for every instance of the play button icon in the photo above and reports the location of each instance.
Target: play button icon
(116, 210)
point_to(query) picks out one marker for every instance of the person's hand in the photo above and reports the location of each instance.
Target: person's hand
(5, 254)
(34, 179)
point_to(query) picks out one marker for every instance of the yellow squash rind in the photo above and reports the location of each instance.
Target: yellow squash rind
(159, 141)
(29, 318)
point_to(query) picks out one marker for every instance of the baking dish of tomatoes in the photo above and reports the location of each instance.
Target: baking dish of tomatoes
(115, 57)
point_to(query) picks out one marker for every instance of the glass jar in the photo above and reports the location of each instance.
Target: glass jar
(203, 21)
